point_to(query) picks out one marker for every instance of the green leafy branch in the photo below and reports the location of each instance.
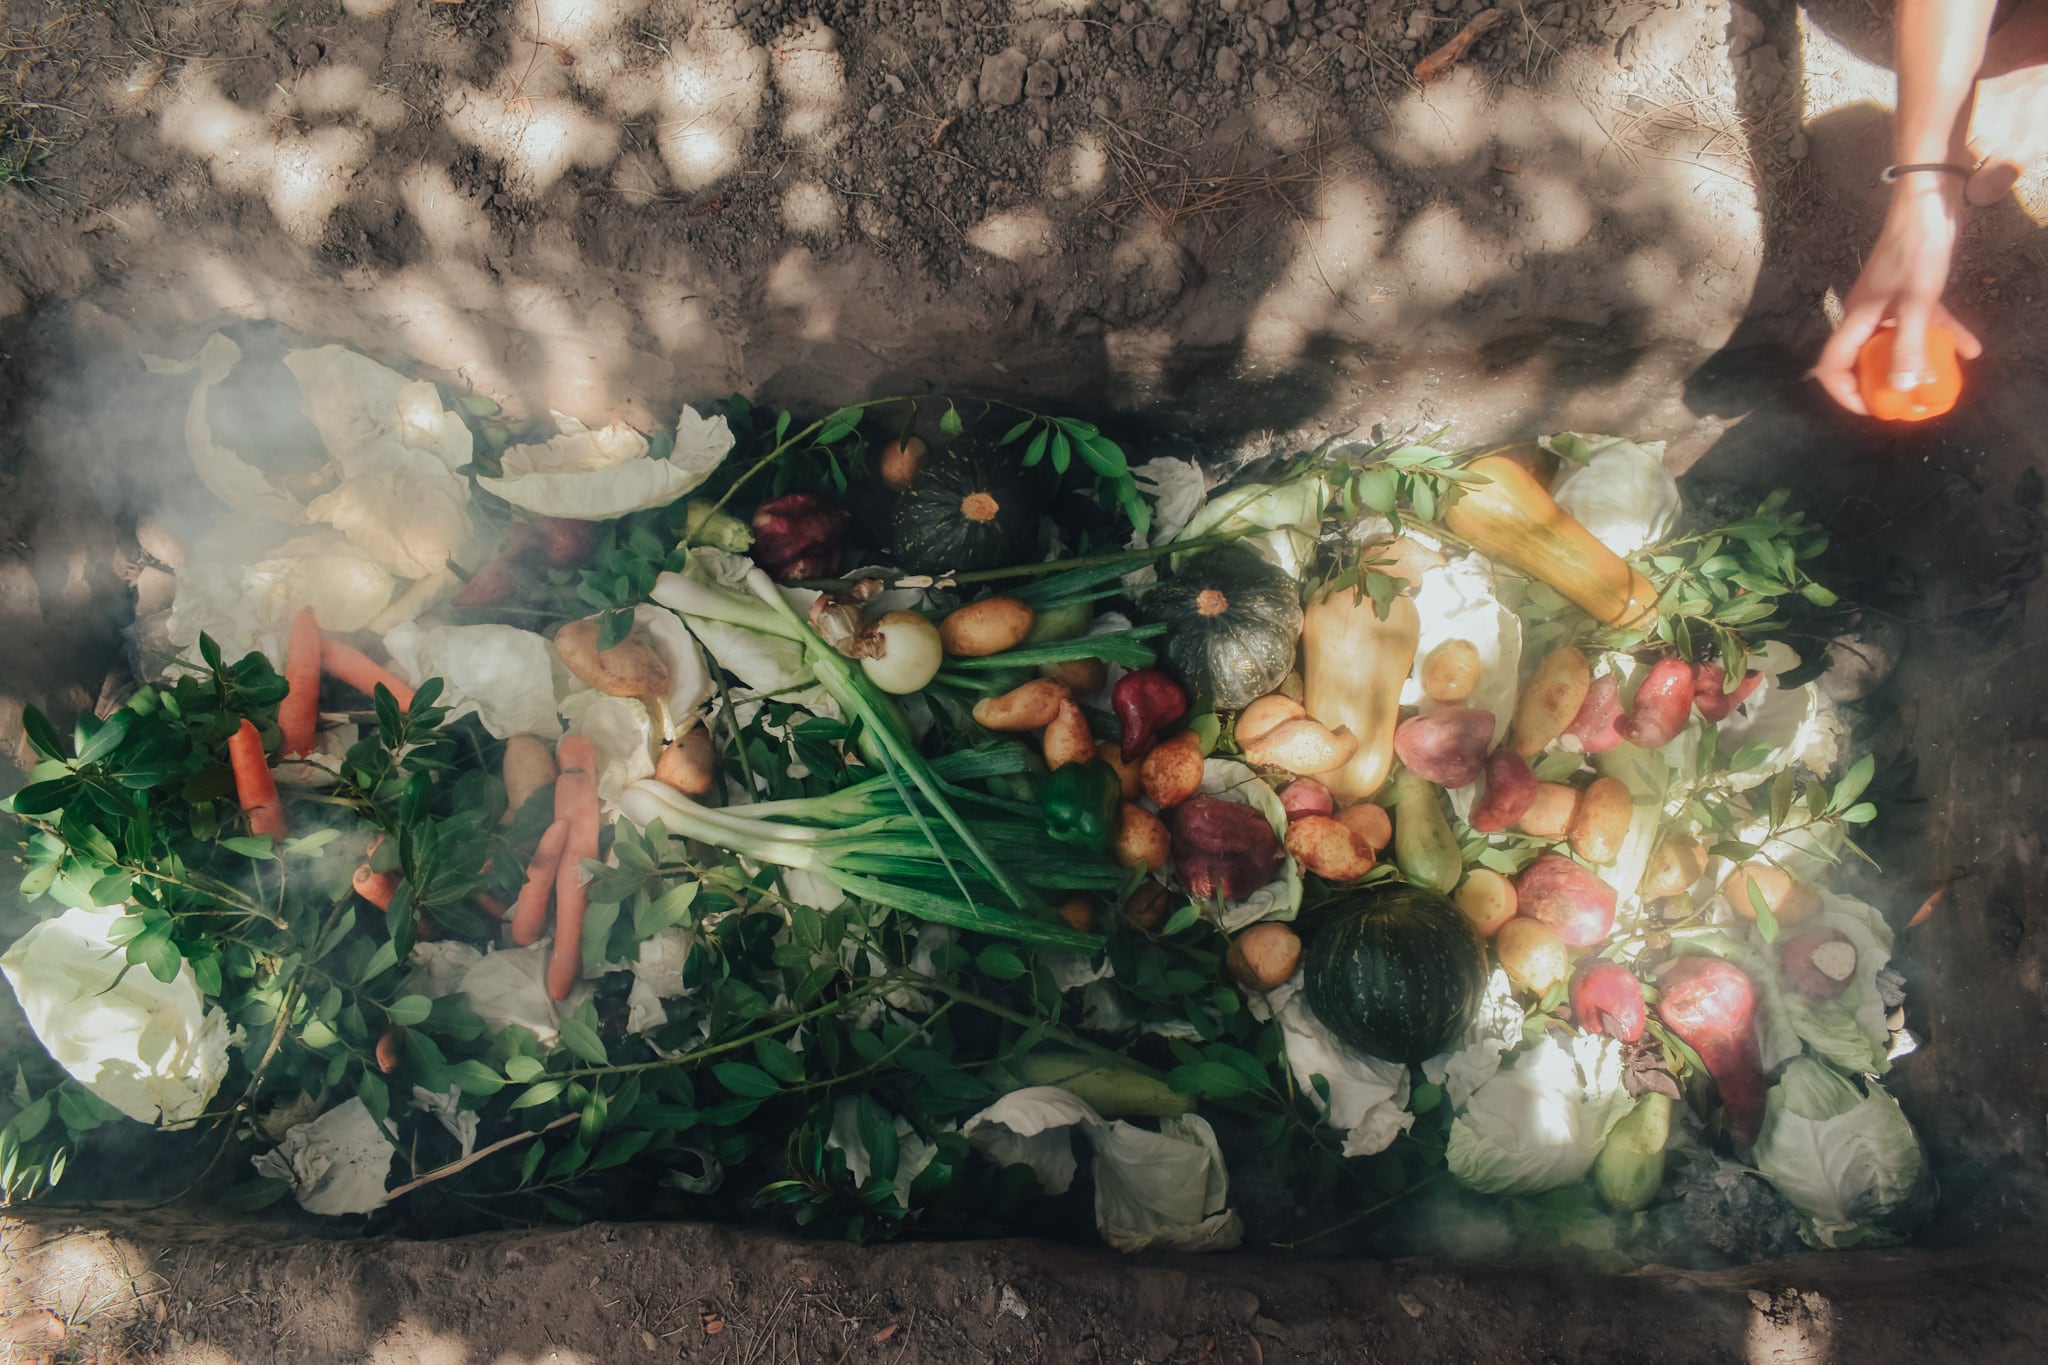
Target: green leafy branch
(1731, 585)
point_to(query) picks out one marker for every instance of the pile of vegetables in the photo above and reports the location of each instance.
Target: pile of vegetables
(836, 819)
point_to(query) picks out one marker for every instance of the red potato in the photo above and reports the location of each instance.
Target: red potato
(1711, 1006)
(1597, 726)
(1222, 849)
(1819, 963)
(1607, 998)
(1511, 789)
(1446, 747)
(1662, 706)
(1710, 697)
(1306, 796)
(1568, 898)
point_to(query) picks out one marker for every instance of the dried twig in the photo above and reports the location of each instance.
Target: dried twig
(454, 1167)
(1447, 56)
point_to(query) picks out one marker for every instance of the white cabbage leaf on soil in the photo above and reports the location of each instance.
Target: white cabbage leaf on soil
(335, 1164)
(596, 474)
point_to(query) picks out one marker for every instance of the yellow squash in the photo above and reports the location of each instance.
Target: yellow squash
(1352, 668)
(1514, 519)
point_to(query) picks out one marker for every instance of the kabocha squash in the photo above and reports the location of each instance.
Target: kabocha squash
(1396, 972)
(1232, 618)
(1352, 668)
(1514, 519)
(965, 510)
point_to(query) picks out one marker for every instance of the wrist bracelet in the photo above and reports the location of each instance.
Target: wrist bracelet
(1892, 173)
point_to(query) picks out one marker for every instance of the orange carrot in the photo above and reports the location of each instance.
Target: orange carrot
(299, 715)
(345, 663)
(530, 911)
(575, 803)
(255, 788)
(491, 905)
(377, 887)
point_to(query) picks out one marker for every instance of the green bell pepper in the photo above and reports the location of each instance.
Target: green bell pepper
(1082, 804)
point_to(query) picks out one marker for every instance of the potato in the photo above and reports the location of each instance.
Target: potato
(1370, 822)
(1032, 706)
(1306, 796)
(1446, 747)
(1302, 746)
(1172, 772)
(1819, 963)
(1792, 902)
(1146, 908)
(1511, 789)
(1328, 849)
(1078, 914)
(899, 461)
(1142, 839)
(1067, 738)
(1487, 899)
(1532, 954)
(1601, 821)
(1678, 862)
(690, 764)
(629, 668)
(1572, 901)
(1127, 774)
(1081, 675)
(1550, 814)
(528, 766)
(987, 627)
(1451, 671)
(1264, 956)
(1550, 700)
(1264, 714)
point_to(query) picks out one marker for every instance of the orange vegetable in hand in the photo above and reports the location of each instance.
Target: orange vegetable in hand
(1930, 399)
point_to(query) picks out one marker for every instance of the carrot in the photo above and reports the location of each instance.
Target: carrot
(299, 714)
(530, 911)
(376, 887)
(345, 663)
(575, 804)
(491, 905)
(255, 788)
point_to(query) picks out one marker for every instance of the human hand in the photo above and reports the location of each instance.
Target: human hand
(1901, 283)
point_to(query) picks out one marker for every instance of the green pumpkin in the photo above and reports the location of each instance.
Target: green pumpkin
(1396, 972)
(1233, 622)
(966, 510)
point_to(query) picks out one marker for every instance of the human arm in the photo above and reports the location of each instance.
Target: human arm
(1940, 48)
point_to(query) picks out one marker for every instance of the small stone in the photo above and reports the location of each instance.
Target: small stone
(878, 111)
(1102, 107)
(1041, 80)
(1419, 24)
(894, 82)
(1797, 147)
(1035, 135)
(1151, 42)
(1187, 53)
(1175, 12)
(1275, 12)
(1446, 6)
(1002, 77)
(963, 93)
(1229, 66)
(1265, 83)
(1077, 32)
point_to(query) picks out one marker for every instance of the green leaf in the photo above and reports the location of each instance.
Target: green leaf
(1378, 489)
(778, 1061)
(40, 798)
(540, 1094)
(836, 432)
(1062, 452)
(1105, 457)
(1000, 963)
(1016, 433)
(1180, 919)
(951, 424)
(1766, 922)
(1783, 787)
(1734, 850)
(613, 627)
(1424, 1098)
(877, 1130)
(520, 1068)
(1819, 596)
(380, 962)
(1862, 813)
(579, 1035)
(408, 1010)
(472, 1077)
(105, 739)
(251, 846)
(745, 1081)
(1035, 452)
(1210, 1080)
(1853, 782)
(42, 736)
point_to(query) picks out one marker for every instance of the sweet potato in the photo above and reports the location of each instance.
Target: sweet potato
(1600, 822)
(1451, 671)
(1819, 963)
(1142, 839)
(1678, 861)
(987, 627)
(1172, 772)
(1487, 899)
(1067, 738)
(1550, 814)
(1662, 705)
(1511, 789)
(1306, 796)
(1264, 956)
(1532, 954)
(1607, 998)
(1032, 706)
(1597, 726)
(1568, 898)
(1302, 745)
(1328, 849)
(528, 766)
(630, 668)
(1221, 848)
(1371, 823)
(1446, 747)
(1550, 699)
(1711, 1006)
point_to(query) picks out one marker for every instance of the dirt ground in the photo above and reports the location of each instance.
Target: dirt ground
(1218, 219)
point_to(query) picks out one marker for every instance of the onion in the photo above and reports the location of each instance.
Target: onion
(909, 656)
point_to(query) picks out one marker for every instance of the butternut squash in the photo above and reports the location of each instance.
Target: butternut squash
(1515, 520)
(1352, 668)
